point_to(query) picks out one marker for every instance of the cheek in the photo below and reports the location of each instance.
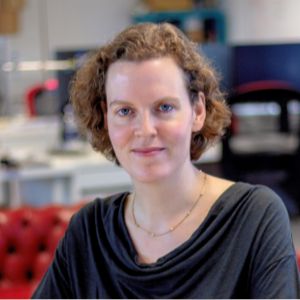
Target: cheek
(182, 127)
(118, 135)
(179, 132)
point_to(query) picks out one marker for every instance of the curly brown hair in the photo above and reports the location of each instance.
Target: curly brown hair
(137, 43)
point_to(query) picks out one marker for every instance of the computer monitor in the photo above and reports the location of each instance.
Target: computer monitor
(220, 56)
(69, 130)
(64, 76)
(266, 62)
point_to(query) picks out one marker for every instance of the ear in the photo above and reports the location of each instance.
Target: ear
(104, 110)
(199, 113)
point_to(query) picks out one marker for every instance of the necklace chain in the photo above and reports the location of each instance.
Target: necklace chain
(171, 229)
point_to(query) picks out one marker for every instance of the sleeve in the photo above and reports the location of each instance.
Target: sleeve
(56, 282)
(275, 271)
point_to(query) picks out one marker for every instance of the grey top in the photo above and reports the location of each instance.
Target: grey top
(243, 249)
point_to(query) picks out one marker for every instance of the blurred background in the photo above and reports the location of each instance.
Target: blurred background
(48, 171)
(253, 44)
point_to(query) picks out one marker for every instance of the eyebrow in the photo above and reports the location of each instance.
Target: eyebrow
(122, 102)
(118, 102)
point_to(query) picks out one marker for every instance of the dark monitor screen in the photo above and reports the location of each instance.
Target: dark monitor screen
(76, 57)
(64, 76)
(220, 56)
(266, 62)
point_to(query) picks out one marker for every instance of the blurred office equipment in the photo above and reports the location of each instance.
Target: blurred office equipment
(263, 142)
(41, 99)
(201, 23)
(34, 172)
(270, 63)
(266, 62)
(221, 57)
(69, 130)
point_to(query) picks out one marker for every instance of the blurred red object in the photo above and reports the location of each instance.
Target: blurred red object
(35, 91)
(28, 239)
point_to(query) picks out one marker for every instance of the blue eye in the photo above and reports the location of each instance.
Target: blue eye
(166, 107)
(124, 112)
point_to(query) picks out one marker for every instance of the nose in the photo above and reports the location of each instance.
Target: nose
(145, 126)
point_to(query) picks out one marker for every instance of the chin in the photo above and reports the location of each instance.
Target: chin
(150, 175)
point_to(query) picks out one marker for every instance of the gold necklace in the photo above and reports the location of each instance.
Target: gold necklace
(153, 234)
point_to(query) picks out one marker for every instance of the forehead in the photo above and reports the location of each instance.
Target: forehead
(150, 68)
(145, 81)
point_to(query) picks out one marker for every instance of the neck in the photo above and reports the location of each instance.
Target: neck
(160, 202)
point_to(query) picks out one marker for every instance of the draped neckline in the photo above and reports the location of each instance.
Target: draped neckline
(214, 210)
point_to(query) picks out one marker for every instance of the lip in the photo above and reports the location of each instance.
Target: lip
(148, 151)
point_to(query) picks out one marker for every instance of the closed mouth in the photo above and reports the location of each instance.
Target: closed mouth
(148, 150)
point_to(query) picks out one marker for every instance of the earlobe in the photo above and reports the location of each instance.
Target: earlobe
(199, 112)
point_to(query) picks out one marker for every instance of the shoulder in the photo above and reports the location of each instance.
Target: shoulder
(256, 205)
(105, 204)
(247, 201)
(257, 214)
(231, 193)
(260, 196)
(98, 212)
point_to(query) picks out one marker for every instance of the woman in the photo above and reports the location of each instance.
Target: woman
(150, 102)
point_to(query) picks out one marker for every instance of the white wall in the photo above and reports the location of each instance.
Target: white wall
(262, 21)
(68, 24)
(81, 23)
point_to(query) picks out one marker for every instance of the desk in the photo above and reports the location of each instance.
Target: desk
(66, 179)
(62, 177)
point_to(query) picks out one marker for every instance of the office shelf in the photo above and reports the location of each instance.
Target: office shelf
(210, 21)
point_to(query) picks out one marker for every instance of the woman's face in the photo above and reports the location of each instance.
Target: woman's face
(150, 118)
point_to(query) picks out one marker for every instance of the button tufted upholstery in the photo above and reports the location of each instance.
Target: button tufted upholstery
(28, 239)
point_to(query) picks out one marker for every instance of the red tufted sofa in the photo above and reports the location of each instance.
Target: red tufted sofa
(28, 238)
